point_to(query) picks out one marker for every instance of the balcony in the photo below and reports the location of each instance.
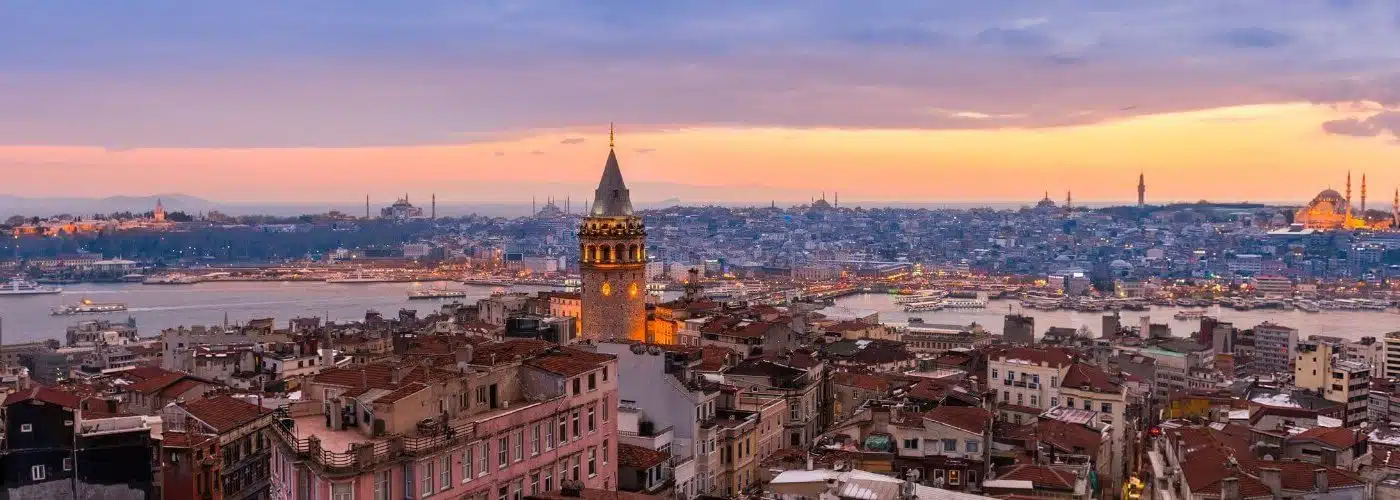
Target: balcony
(346, 452)
(648, 436)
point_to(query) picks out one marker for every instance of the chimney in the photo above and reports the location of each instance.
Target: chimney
(399, 372)
(464, 356)
(1230, 488)
(1320, 479)
(1270, 477)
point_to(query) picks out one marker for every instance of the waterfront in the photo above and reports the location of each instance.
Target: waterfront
(155, 307)
(1345, 324)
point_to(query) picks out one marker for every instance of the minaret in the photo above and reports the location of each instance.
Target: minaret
(1363, 196)
(1069, 201)
(612, 260)
(1347, 221)
(1395, 209)
(1142, 189)
(434, 207)
(836, 199)
(366, 207)
(532, 206)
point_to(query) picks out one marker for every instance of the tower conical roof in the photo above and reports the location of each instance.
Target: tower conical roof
(611, 199)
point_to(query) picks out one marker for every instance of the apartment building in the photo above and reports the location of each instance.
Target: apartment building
(1026, 380)
(499, 421)
(216, 448)
(1090, 388)
(800, 380)
(1274, 348)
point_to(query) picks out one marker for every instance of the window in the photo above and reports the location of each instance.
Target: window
(1088, 405)
(1006, 396)
(910, 444)
(67, 464)
(549, 436)
(1020, 398)
(342, 491)
(1054, 381)
(592, 461)
(592, 425)
(481, 395)
(1106, 407)
(1035, 401)
(578, 384)
(577, 430)
(428, 477)
(519, 453)
(1069, 402)
(469, 463)
(535, 483)
(37, 473)
(605, 451)
(1035, 378)
(381, 484)
(793, 413)
(549, 478)
(563, 429)
(994, 373)
(1010, 375)
(563, 471)
(1054, 401)
(605, 374)
(519, 487)
(502, 452)
(503, 492)
(973, 446)
(592, 382)
(972, 476)
(605, 408)
(445, 469)
(535, 440)
(950, 445)
(485, 467)
(573, 464)
(26, 427)
(953, 477)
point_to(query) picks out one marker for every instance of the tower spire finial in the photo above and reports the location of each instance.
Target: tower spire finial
(612, 135)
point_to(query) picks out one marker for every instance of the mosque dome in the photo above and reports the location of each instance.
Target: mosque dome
(1330, 196)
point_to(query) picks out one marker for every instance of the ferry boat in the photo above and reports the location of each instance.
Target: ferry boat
(920, 296)
(22, 287)
(437, 293)
(930, 305)
(359, 277)
(89, 307)
(964, 303)
(1189, 315)
(490, 282)
(171, 279)
(1308, 306)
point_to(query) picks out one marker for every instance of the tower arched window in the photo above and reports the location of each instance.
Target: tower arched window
(621, 252)
(592, 254)
(632, 253)
(605, 254)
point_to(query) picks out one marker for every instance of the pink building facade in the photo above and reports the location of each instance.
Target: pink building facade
(555, 421)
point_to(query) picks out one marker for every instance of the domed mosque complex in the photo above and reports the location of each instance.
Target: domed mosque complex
(1330, 210)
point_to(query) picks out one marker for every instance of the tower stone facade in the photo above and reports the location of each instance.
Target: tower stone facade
(612, 260)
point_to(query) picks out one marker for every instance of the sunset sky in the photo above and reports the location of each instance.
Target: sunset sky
(716, 100)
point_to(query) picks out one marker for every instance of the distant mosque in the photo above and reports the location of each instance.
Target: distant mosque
(1330, 210)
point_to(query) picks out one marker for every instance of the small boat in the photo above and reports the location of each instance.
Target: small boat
(437, 293)
(1308, 306)
(89, 307)
(22, 287)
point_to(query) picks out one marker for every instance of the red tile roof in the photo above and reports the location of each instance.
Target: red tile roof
(1084, 375)
(509, 351)
(967, 418)
(714, 358)
(1051, 356)
(1040, 476)
(569, 362)
(1336, 437)
(638, 457)
(861, 381)
(224, 413)
(153, 385)
(46, 394)
(1067, 437)
(402, 392)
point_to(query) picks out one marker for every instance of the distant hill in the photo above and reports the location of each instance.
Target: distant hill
(19, 205)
